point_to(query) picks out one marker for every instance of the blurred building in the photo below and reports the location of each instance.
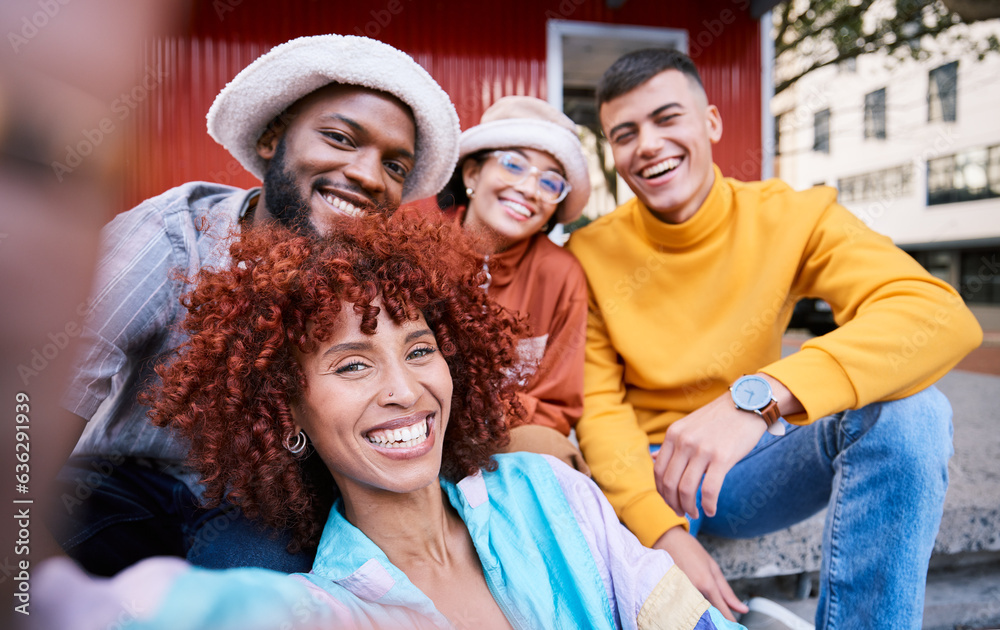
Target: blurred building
(914, 150)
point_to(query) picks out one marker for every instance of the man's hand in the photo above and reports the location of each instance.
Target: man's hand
(700, 448)
(701, 569)
(704, 444)
(536, 438)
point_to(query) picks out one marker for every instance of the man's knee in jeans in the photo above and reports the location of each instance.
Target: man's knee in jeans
(109, 513)
(915, 433)
(224, 538)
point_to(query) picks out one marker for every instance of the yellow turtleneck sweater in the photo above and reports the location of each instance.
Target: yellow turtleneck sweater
(679, 312)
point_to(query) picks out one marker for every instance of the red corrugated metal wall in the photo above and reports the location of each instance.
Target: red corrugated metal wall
(478, 52)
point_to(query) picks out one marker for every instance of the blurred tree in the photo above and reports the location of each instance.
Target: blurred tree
(818, 33)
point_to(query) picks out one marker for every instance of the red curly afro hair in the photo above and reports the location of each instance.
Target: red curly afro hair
(230, 387)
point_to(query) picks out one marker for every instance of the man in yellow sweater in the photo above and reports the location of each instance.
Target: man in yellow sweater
(692, 284)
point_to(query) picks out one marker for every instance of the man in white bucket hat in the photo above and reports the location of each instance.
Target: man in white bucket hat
(332, 125)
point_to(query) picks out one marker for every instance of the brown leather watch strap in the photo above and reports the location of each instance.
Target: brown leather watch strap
(770, 413)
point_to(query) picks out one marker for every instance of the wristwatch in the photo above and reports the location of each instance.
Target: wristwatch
(753, 393)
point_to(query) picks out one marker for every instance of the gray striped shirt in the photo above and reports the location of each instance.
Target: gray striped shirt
(147, 254)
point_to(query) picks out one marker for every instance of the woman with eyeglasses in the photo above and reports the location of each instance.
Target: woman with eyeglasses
(521, 171)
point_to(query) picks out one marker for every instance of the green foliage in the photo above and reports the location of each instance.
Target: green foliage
(811, 35)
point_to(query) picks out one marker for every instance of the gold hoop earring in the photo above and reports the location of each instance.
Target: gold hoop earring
(300, 442)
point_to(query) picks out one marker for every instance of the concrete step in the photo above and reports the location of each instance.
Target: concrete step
(963, 595)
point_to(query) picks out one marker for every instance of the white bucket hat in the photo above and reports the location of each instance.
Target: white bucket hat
(528, 122)
(280, 77)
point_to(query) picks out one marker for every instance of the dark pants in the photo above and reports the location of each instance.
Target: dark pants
(113, 513)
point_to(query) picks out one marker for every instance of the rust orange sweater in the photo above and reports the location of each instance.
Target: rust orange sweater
(545, 283)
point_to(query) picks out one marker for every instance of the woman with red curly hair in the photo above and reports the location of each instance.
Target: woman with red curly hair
(367, 368)
(241, 388)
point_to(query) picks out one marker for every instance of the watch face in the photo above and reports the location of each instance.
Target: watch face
(751, 393)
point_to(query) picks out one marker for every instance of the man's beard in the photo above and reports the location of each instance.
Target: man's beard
(284, 201)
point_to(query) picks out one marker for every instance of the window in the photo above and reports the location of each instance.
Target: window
(777, 134)
(942, 93)
(821, 131)
(966, 176)
(875, 114)
(875, 185)
(980, 276)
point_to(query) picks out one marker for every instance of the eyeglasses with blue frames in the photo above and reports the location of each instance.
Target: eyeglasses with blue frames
(515, 168)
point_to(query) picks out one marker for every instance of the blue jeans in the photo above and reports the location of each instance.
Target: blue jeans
(882, 472)
(113, 512)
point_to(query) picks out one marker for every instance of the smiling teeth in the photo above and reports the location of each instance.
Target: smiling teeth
(344, 206)
(406, 437)
(516, 207)
(664, 166)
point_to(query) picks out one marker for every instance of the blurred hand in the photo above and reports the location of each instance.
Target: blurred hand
(701, 569)
(535, 438)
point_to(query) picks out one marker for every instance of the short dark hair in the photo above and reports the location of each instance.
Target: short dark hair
(453, 194)
(635, 68)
